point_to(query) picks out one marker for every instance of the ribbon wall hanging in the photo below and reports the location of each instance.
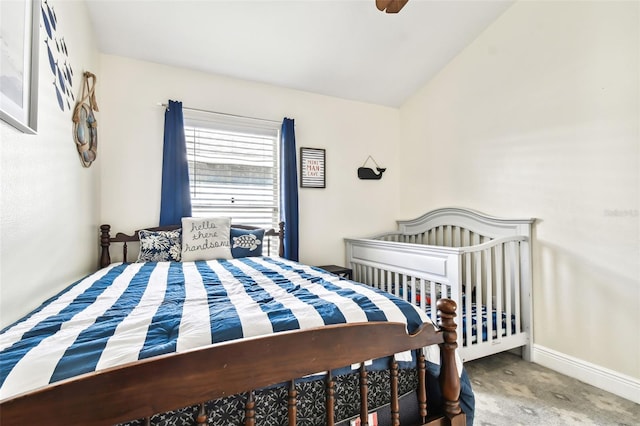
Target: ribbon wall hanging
(368, 173)
(85, 125)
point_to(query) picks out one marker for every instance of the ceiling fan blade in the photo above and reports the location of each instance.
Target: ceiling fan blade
(390, 6)
(382, 4)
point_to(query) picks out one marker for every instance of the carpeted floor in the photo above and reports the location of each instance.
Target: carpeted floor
(510, 391)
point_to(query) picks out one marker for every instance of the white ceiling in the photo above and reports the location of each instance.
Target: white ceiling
(341, 48)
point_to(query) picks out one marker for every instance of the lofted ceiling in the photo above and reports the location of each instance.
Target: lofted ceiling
(342, 48)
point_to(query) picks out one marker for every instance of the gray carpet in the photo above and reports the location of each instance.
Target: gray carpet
(510, 391)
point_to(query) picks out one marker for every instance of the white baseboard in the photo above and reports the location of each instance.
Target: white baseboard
(611, 381)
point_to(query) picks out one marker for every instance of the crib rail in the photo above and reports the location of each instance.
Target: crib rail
(483, 275)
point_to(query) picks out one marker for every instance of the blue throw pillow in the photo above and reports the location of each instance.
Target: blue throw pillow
(246, 243)
(160, 246)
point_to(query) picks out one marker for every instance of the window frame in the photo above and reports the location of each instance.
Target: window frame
(236, 126)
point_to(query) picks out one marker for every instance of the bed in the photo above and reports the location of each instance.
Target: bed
(206, 342)
(483, 263)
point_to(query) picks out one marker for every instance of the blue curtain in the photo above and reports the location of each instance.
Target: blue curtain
(175, 201)
(289, 189)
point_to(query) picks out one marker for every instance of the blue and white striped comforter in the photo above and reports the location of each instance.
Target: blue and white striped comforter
(127, 312)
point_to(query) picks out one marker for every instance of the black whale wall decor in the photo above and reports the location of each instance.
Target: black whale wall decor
(368, 173)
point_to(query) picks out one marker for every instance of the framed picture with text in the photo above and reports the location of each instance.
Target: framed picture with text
(312, 168)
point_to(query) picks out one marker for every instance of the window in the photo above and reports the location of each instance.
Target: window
(233, 167)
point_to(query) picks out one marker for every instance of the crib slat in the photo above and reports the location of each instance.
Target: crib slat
(479, 296)
(466, 309)
(509, 283)
(394, 282)
(434, 299)
(423, 295)
(516, 286)
(370, 275)
(413, 291)
(499, 290)
(405, 294)
(488, 264)
(374, 277)
(457, 237)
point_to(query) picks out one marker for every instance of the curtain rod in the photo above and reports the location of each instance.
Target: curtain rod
(224, 113)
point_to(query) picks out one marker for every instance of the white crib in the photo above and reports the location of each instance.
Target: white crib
(479, 261)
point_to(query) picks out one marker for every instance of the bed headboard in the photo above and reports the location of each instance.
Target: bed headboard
(106, 239)
(493, 227)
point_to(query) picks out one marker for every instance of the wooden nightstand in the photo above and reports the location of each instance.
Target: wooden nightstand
(338, 270)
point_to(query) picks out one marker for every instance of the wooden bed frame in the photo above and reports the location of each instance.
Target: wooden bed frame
(106, 239)
(168, 382)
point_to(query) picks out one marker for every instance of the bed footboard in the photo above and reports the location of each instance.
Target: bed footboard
(168, 382)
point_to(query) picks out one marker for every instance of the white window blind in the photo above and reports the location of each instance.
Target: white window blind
(233, 168)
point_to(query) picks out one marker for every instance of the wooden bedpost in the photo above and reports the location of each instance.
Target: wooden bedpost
(202, 418)
(422, 385)
(331, 399)
(105, 258)
(281, 239)
(292, 403)
(250, 410)
(395, 405)
(364, 394)
(449, 378)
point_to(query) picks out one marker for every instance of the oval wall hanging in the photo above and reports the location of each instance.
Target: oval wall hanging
(85, 125)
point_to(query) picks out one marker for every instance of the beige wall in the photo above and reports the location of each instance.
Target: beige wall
(131, 149)
(539, 118)
(49, 202)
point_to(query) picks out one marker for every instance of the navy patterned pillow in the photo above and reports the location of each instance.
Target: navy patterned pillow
(246, 243)
(160, 246)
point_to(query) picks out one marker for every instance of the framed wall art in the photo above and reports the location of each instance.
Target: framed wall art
(20, 34)
(312, 168)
